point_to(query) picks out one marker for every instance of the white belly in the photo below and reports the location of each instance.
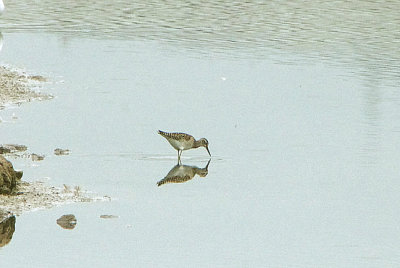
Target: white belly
(179, 145)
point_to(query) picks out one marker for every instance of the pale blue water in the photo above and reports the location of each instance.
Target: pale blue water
(304, 138)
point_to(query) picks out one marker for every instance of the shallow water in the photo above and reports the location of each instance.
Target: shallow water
(300, 105)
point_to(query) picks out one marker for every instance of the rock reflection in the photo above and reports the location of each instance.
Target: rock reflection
(183, 173)
(7, 228)
(67, 221)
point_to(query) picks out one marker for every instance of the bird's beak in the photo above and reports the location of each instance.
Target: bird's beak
(208, 150)
(206, 168)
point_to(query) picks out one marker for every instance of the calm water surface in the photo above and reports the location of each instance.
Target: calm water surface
(300, 104)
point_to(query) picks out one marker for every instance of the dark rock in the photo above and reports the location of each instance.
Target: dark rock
(8, 176)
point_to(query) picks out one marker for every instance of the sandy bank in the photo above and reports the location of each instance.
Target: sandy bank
(37, 195)
(17, 87)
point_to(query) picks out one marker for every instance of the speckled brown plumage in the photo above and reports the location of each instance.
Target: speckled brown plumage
(182, 141)
(182, 173)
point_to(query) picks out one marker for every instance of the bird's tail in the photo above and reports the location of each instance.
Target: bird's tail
(174, 179)
(164, 134)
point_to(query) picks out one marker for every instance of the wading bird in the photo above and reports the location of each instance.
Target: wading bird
(182, 141)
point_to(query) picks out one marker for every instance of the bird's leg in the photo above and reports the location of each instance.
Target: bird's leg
(179, 154)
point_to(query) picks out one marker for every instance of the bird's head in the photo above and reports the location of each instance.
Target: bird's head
(204, 143)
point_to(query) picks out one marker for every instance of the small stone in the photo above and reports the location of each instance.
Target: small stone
(59, 151)
(19, 174)
(109, 216)
(36, 157)
(4, 150)
(12, 148)
(38, 78)
(67, 221)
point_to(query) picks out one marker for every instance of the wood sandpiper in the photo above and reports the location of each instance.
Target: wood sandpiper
(182, 141)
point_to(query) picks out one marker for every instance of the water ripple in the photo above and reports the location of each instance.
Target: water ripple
(360, 35)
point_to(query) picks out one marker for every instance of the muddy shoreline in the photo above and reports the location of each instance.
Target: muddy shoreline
(17, 87)
(35, 194)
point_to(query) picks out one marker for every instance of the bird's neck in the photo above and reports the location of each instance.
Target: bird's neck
(196, 144)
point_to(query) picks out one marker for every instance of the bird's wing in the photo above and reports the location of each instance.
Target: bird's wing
(175, 136)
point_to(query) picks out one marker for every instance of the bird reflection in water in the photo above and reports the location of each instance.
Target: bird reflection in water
(183, 173)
